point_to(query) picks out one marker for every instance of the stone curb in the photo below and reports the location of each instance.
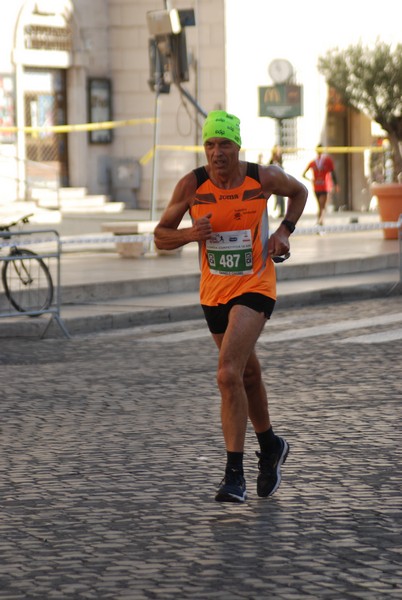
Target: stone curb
(113, 318)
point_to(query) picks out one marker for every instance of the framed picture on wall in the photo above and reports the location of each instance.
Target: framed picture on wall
(100, 108)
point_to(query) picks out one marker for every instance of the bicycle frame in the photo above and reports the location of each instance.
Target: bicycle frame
(44, 254)
(20, 271)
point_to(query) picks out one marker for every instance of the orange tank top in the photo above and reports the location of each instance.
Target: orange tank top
(236, 260)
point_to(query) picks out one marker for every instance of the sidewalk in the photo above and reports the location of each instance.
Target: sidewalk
(101, 291)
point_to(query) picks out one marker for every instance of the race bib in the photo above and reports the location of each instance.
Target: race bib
(230, 253)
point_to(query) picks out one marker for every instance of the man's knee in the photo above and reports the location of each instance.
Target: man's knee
(252, 379)
(228, 376)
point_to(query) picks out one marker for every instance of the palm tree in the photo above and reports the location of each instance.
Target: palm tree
(369, 79)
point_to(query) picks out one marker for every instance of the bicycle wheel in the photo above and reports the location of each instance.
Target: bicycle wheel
(27, 281)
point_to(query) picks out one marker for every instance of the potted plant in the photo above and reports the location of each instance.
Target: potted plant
(369, 79)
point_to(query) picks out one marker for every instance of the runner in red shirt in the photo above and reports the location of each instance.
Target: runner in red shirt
(323, 169)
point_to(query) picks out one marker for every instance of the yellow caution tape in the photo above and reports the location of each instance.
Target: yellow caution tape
(330, 149)
(80, 127)
(150, 154)
(147, 157)
(325, 149)
(182, 148)
(350, 149)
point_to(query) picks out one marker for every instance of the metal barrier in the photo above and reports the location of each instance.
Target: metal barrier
(30, 275)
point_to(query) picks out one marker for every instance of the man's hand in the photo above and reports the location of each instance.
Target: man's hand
(202, 228)
(278, 243)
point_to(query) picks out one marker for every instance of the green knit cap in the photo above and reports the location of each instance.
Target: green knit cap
(219, 123)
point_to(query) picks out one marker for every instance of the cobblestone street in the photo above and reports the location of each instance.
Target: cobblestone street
(111, 452)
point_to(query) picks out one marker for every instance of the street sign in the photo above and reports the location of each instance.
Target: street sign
(282, 101)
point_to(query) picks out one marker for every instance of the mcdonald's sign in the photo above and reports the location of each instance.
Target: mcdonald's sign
(280, 101)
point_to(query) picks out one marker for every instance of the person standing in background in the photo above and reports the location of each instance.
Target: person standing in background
(323, 170)
(276, 159)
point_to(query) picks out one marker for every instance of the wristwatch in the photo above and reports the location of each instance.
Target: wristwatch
(289, 225)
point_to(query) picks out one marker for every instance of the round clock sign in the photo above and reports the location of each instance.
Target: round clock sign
(280, 70)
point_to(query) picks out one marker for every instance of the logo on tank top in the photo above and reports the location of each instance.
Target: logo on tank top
(239, 214)
(228, 197)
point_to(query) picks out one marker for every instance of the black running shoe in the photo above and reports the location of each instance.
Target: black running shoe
(232, 487)
(269, 465)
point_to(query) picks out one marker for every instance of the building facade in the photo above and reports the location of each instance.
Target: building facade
(67, 63)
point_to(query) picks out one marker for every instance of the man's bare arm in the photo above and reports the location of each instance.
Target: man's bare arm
(167, 236)
(276, 181)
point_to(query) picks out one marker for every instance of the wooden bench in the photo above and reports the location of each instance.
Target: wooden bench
(135, 249)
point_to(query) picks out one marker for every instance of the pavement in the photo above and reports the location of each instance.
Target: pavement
(111, 452)
(99, 290)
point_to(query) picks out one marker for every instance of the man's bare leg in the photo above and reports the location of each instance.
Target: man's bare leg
(258, 411)
(322, 203)
(273, 449)
(236, 346)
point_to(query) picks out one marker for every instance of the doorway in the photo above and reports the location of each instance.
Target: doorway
(45, 104)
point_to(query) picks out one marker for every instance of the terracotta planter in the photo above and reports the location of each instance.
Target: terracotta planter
(389, 197)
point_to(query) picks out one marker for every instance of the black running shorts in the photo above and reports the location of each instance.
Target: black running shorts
(217, 316)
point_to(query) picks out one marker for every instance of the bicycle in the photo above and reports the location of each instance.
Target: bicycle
(27, 281)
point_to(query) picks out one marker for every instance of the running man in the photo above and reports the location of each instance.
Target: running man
(227, 202)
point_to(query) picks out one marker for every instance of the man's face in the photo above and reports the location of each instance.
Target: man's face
(222, 154)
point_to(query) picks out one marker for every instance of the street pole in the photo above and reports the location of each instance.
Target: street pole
(154, 188)
(155, 156)
(280, 132)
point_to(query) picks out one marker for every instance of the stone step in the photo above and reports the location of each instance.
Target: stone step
(92, 200)
(72, 192)
(63, 192)
(97, 313)
(52, 200)
(71, 200)
(53, 194)
(84, 207)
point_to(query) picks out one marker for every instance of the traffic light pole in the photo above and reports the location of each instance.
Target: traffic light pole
(279, 124)
(155, 154)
